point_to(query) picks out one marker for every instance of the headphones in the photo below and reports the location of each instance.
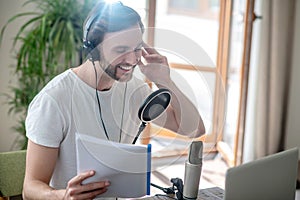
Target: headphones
(86, 43)
(89, 46)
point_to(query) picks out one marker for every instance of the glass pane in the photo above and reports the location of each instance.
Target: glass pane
(234, 78)
(199, 87)
(183, 4)
(186, 27)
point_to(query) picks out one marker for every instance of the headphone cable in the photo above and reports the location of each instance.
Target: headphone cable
(100, 110)
(98, 101)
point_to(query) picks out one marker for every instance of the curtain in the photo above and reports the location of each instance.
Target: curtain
(266, 117)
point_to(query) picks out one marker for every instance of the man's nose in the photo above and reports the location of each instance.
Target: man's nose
(132, 57)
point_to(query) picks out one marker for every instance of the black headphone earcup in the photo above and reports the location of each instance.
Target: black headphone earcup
(91, 50)
(95, 54)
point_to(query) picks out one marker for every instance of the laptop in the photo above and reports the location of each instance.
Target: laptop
(269, 178)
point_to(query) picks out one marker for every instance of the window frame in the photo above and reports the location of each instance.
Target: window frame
(213, 140)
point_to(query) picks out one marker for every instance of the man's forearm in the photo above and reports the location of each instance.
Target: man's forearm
(186, 114)
(38, 190)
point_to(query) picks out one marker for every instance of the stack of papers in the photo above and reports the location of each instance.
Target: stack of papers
(126, 166)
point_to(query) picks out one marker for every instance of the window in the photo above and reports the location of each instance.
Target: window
(191, 44)
(208, 9)
(207, 45)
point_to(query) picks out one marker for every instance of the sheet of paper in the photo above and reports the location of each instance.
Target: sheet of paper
(126, 166)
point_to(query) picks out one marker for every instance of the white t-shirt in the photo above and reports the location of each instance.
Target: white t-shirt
(67, 105)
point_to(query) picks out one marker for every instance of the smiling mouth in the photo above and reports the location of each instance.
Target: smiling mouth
(126, 67)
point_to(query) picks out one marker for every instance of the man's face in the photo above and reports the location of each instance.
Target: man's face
(121, 52)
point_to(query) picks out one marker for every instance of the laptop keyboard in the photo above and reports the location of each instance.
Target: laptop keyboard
(214, 193)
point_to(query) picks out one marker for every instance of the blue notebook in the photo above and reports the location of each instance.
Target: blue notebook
(126, 166)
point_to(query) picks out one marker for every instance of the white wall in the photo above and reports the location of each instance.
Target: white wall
(293, 120)
(8, 8)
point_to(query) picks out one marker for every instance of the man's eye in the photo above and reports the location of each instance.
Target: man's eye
(121, 50)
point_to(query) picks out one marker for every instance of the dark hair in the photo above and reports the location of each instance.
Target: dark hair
(106, 18)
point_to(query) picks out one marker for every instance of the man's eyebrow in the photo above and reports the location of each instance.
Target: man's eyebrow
(127, 47)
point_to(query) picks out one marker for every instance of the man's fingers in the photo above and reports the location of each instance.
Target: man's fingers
(85, 191)
(140, 64)
(152, 56)
(149, 50)
(155, 58)
(81, 177)
(90, 187)
(90, 194)
(144, 52)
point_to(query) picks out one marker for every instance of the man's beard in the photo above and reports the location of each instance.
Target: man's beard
(111, 71)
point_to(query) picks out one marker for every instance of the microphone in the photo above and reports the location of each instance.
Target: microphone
(153, 106)
(193, 167)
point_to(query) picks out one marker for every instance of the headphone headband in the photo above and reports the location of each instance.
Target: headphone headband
(106, 17)
(103, 6)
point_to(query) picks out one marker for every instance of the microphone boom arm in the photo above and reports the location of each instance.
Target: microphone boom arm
(141, 128)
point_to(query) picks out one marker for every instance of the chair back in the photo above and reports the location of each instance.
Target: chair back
(12, 172)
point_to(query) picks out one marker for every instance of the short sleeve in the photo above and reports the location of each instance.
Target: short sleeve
(44, 122)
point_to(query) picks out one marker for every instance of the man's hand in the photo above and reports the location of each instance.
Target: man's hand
(182, 116)
(77, 190)
(157, 68)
